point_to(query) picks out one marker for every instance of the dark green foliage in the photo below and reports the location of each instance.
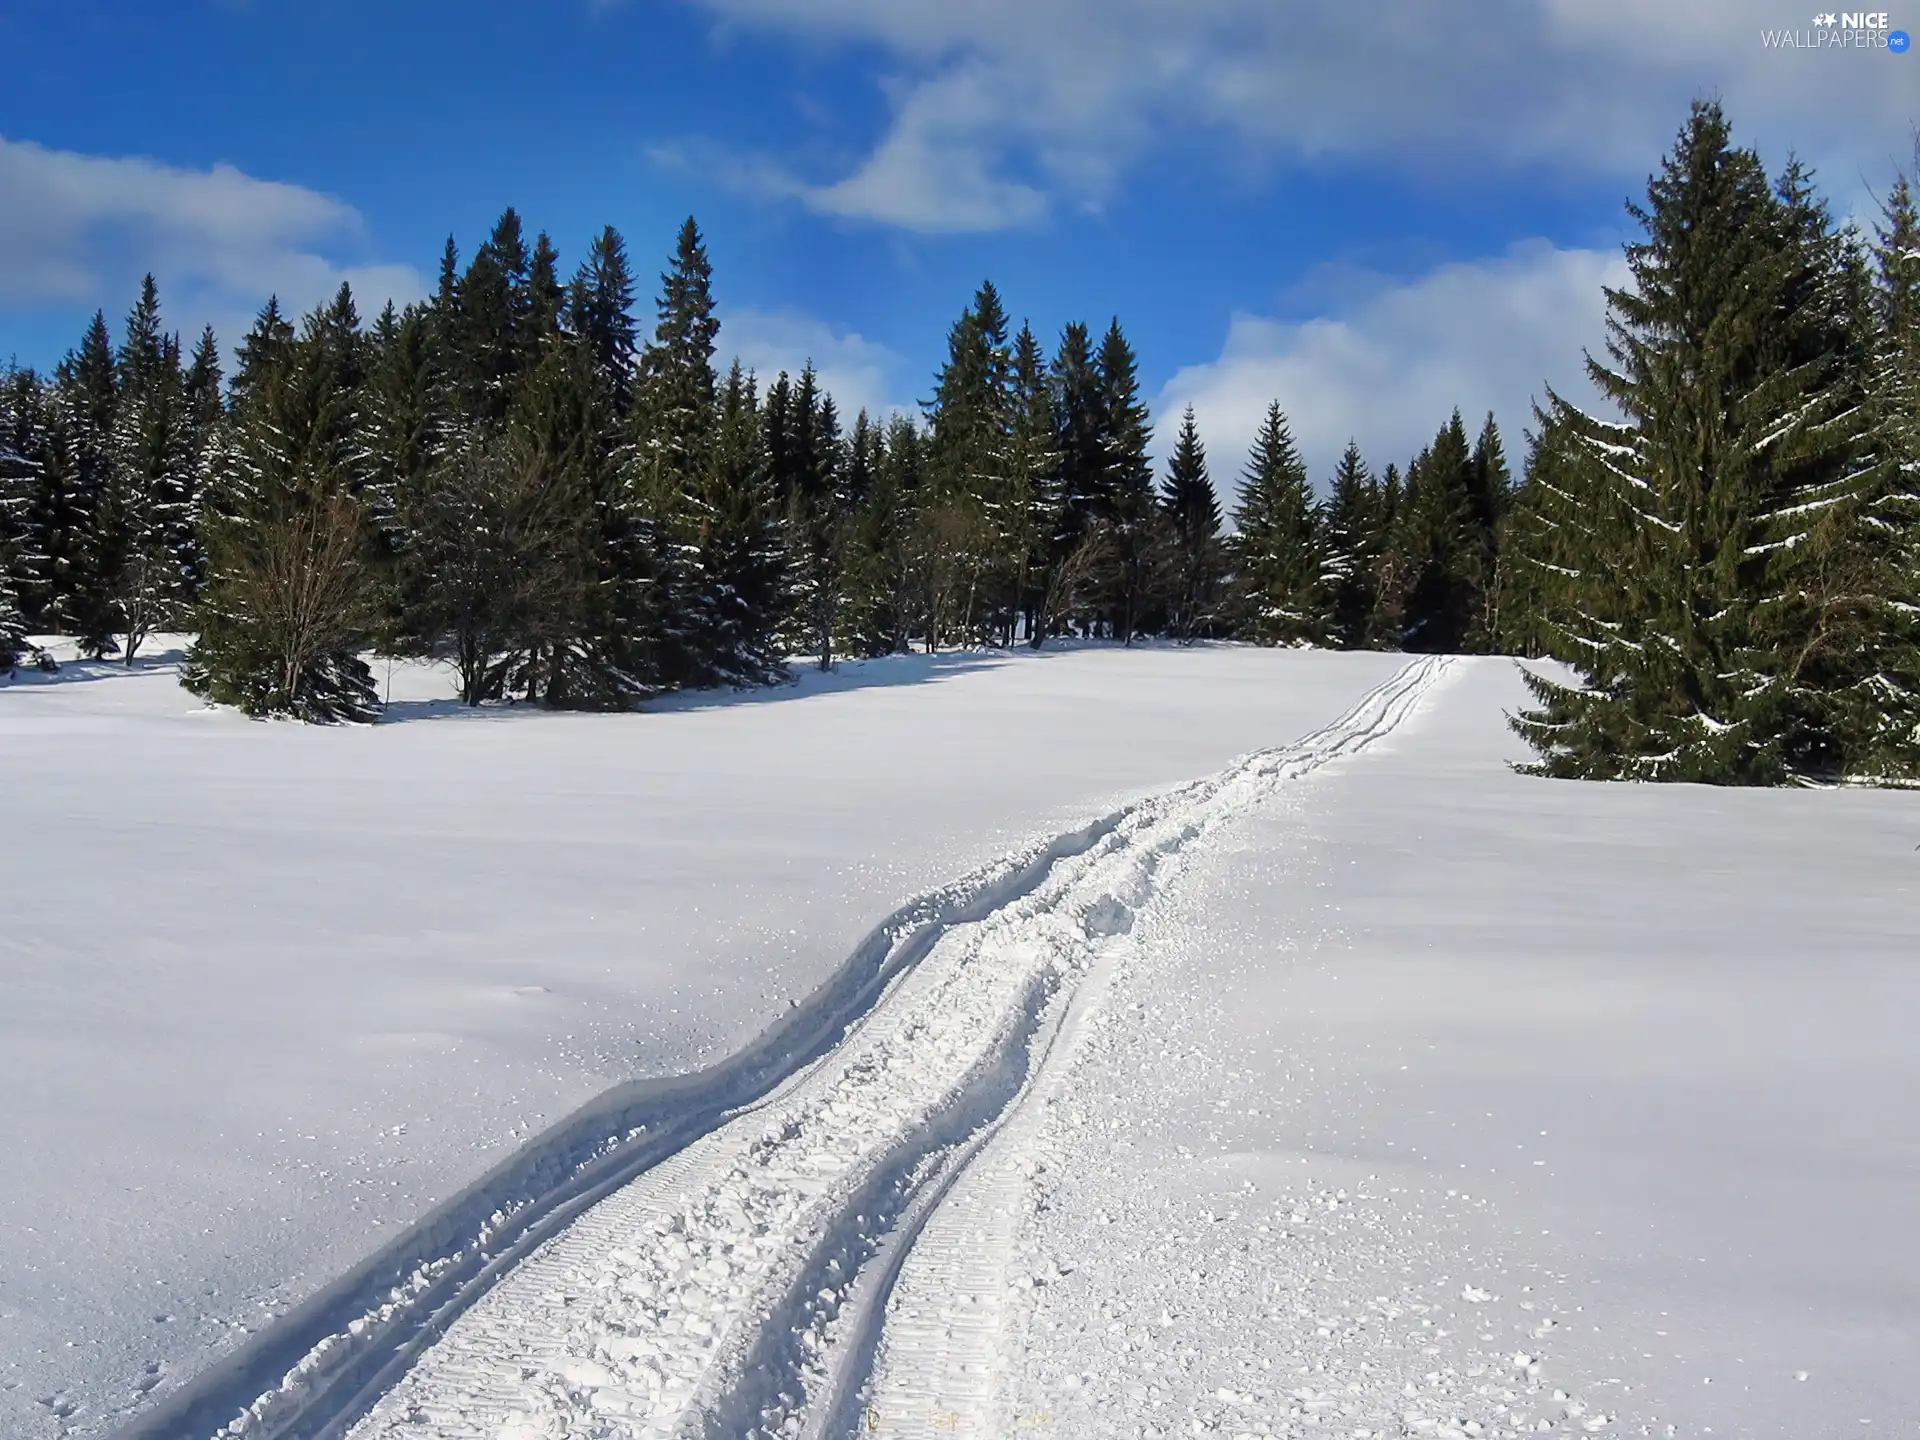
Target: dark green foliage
(491, 323)
(22, 448)
(1080, 429)
(405, 414)
(741, 556)
(289, 601)
(1719, 608)
(497, 555)
(600, 303)
(812, 481)
(1446, 544)
(1276, 546)
(883, 593)
(1354, 543)
(1132, 519)
(1540, 582)
(677, 379)
(1196, 560)
(974, 508)
(263, 354)
(1033, 495)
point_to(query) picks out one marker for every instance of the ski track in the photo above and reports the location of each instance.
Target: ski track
(736, 1285)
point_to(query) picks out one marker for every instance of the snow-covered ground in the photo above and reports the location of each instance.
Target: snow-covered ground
(267, 993)
(1438, 1100)
(1361, 1087)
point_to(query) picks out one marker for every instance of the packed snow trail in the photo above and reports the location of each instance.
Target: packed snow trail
(719, 1292)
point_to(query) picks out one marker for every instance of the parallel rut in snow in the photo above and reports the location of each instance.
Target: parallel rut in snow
(735, 1288)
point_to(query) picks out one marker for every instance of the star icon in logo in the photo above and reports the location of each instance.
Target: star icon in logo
(1826, 19)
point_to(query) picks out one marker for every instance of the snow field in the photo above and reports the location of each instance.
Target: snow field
(701, 1297)
(271, 997)
(1437, 1101)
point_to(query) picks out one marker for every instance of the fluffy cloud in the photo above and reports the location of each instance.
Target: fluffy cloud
(1389, 368)
(1001, 106)
(858, 373)
(80, 229)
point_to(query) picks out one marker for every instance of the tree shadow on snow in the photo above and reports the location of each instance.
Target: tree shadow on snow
(809, 680)
(75, 671)
(806, 681)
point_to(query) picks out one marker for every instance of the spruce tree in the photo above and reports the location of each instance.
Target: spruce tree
(1351, 551)
(93, 376)
(671, 441)
(1193, 522)
(404, 417)
(147, 548)
(974, 509)
(1078, 543)
(289, 601)
(60, 516)
(499, 529)
(13, 625)
(493, 309)
(1540, 582)
(1448, 546)
(1877, 702)
(1386, 627)
(88, 384)
(1132, 519)
(1276, 547)
(889, 525)
(819, 517)
(1720, 604)
(677, 377)
(600, 304)
(742, 558)
(546, 296)
(22, 448)
(1033, 464)
(1492, 503)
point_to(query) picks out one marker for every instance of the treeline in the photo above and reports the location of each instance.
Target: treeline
(507, 478)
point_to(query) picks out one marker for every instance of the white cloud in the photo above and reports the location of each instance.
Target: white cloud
(858, 373)
(1389, 369)
(81, 229)
(1002, 106)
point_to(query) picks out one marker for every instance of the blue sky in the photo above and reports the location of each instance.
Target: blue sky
(1371, 212)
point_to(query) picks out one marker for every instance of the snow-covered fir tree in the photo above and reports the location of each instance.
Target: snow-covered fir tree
(289, 601)
(1196, 555)
(1132, 521)
(1352, 544)
(1720, 514)
(1276, 547)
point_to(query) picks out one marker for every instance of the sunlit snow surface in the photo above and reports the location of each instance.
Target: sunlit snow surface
(1441, 1100)
(268, 991)
(1419, 1099)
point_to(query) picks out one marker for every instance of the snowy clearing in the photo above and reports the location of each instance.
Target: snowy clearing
(706, 1293)
(269, 994)
(1402, 1096)
(1436, 1100)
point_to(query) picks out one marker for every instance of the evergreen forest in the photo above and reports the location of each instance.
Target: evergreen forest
(574, 508)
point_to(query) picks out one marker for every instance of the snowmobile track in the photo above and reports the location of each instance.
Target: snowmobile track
(691, 1256)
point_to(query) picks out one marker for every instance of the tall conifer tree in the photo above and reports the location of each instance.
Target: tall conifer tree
(1352, 549)
(1720, 513)
(1193, 521)
(1276, 545)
